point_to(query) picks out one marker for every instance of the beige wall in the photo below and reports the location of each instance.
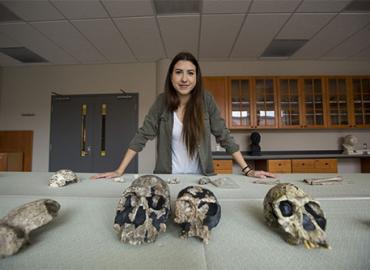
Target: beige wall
(28, 90)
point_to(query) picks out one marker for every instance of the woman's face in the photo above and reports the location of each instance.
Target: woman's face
(184, 77)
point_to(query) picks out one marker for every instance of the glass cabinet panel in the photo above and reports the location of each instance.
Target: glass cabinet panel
(313, 103)
(240, 103)
(338, 102)
(289, 102)
(265, 103)
(361, 101)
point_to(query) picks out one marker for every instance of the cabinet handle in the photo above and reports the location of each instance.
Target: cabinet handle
(103, 152)
(83, 151)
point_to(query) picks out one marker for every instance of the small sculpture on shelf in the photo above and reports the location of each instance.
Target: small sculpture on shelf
(349, 143)
(255, 147)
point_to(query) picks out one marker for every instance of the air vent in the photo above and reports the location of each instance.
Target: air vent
(283, 47)
(358, 6)
(177, 6)
(6, 15)
(23, 54)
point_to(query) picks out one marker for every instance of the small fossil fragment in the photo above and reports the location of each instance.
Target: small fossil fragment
(19, 222)
(62, 178)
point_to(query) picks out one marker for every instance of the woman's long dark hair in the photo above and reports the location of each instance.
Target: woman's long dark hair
(193, 124)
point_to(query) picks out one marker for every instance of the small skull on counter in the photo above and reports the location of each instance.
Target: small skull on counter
(197, 211)
(297, 215)
(143, 210)
(62, 178)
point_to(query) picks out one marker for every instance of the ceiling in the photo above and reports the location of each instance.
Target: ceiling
(129, 31)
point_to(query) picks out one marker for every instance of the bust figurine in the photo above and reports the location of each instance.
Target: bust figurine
(349, 142)
(255, 147)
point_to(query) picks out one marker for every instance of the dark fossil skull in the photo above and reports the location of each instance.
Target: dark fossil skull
(143, 210)
(297, 215)
(197, 211)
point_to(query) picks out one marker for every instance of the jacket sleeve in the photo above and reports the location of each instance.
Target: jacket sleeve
(218, 126)
(149, 129)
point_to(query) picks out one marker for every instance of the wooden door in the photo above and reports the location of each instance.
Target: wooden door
(289, 103)
(361, 101)
(217, 86)
(265, 103)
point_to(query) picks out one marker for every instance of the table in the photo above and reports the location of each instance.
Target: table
(82, 237)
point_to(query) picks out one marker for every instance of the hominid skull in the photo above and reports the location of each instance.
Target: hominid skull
(297, 215)
(62, 178)
(197, 211)
(143, 210)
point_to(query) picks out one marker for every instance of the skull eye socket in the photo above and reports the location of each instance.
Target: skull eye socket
(315, 210)
(307, 223)
(286, 208)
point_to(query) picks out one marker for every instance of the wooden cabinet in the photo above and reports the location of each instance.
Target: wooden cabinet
(223, 166)
(217, 86)
(252, 102)
(314, 165)
(274, 165)
(11, 162)
(338, 100)
(292, 102)
(360, 90)
(297, 165)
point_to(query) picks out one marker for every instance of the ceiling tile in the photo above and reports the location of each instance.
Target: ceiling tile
(5, 42)
(143, 37)
(91, 9)
(352, 46)
(103, 34)
(225, 6)
(304, 26)
(66, 36)
(129, 8)
(363, 55)
(257, 33)
(32, 39)
(34, 10)
(339, 29)
(217, 38)
(180, 33)
(322, 5)
(273, 6)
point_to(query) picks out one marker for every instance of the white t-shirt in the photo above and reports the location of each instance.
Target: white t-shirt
(181, 163)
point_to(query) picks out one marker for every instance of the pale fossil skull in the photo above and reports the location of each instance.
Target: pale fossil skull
(197, 211)
(143, 210)
(297, 215)
(62, 178)
(19, 222)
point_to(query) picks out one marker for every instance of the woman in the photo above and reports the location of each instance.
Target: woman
(183, 119)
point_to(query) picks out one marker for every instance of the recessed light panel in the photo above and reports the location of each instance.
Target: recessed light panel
(177, 6)
(283, 47)
(23, 55)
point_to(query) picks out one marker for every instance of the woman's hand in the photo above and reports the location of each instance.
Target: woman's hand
(261, 174)
(107, 175)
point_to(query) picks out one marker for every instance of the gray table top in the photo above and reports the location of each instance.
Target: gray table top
(82, 237)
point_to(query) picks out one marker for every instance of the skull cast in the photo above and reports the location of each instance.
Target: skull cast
(62, 178)
(143, 210)
(197, 211)
(298, 216)
(19, 222)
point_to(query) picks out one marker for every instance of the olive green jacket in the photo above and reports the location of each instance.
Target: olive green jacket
(159, 122)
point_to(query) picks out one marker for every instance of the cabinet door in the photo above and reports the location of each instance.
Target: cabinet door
(313, 109)
(288, 103)
(338, 103)
(265, 103)
(217, 86)
(361, 101)
(240, 103)
(223, 166)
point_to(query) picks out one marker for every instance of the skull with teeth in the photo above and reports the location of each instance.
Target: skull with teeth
(143, 210)
(298, 216)
(197, 211)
